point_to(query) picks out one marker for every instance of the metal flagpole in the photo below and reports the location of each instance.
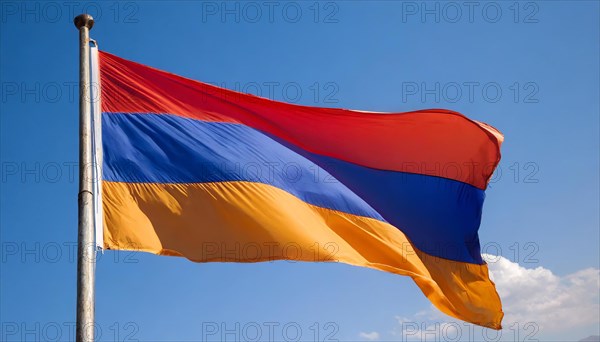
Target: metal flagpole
(86, 248)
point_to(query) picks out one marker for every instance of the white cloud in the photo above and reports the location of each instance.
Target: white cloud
(535, 301)
(372, 336)
(537, 295)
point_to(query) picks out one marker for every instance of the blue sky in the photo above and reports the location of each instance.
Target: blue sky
(531, 69)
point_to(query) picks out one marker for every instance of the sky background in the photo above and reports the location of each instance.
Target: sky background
(530, 69)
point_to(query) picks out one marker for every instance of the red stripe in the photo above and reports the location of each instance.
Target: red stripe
(433, 142)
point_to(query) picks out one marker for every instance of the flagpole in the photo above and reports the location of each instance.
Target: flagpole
(86, 253)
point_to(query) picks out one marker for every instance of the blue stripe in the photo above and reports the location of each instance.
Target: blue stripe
(150, 148)
(439, 216)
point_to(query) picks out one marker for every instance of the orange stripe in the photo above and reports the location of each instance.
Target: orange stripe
(252, 222)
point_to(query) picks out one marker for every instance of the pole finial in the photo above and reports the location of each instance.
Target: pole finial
(84, 20)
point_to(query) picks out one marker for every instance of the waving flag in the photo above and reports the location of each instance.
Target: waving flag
(210, 174)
